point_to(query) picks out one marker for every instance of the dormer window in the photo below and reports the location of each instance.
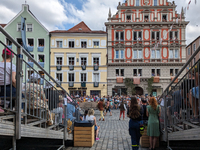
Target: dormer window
(164, 18)
(19, 27)
(128, 18)
(146, 18)
(29, 28)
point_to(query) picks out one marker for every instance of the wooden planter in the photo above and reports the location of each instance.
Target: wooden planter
(156, 79)
(136, 80)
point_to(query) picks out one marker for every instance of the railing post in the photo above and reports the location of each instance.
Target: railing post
(165, 119)
(19, 93)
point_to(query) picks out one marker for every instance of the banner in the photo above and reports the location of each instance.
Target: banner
(23, 33)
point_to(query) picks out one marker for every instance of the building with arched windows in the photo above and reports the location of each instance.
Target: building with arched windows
(146, 38)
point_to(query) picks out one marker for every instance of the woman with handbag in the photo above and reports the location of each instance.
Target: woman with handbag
(153, 112)
(135, 113)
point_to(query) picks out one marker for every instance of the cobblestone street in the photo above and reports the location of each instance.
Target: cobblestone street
(113, 134)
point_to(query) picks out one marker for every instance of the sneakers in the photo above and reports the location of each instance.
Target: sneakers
(1, 111)
(97, 138)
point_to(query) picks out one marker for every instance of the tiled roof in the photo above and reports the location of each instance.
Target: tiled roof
(3, 25)
(79, 28)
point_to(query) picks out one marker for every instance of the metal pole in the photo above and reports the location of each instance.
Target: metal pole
(19, 92)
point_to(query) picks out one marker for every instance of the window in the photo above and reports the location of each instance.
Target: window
(119, 72)
(96, 61)
(153, 54)
(83, 44)
(122, 72)
(71, 77)
(59, 44)
(176, 71)
(96, 77)
(122, 54)
(189, 51)
(153, 72)
(171, 55)
(139, 72)
(19, 40)
(137, 35)
(194, 47)
(157, 53)
(171, 72)
(71, 44)
(96, 44)
(140, 54)
(83, 61)
(71, 60)
(41, 42)
(29, 59)
(59, 60)
(19, 27)
(155, 2)
(155, 35)
(30, 42)
(137, 2)
(158, 72)
(134, 72)
(29, 28)
(146, 18)
(83, 77)
(119, 36)
(117, 54)
(176, 53)
(59, 76)
(8, 42)
(128, 17)
(164, 18)
(135, 54)
(41, 58)
(173, 35)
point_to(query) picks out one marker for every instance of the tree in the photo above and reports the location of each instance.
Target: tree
(130, 86)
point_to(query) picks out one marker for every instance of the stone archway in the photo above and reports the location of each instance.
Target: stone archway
(139, 90)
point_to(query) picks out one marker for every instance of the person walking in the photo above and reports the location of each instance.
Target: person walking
(100, 107)
(153, 112)
(122, 108)
(135, 113)
(108, 108)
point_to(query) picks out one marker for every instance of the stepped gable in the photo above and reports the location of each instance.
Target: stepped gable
(79, 28)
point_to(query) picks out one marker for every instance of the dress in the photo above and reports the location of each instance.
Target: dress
(153, 122)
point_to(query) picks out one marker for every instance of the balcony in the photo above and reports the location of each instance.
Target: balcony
(83, 67)
(41, 64)
(59, 83)
(71, 84)
(31, 65)
(30, 48)
(96, 84)
(136, 80)
(120, 80)
(156, 79)
(96, 68)
(71, 67)
(83, 84)
(59, 68)
(40, 49)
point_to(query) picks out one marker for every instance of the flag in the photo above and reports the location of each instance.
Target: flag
(23, 33)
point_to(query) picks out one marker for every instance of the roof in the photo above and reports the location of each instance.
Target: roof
(3, 25)
(193, 42)
(79, 28)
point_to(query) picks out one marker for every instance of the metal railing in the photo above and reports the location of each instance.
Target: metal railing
(30, 94)
(180, 102)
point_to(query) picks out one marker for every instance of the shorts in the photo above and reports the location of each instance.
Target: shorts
(95, 128)
(108, 109)
(195, 92)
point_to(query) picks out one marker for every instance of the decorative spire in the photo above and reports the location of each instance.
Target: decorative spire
(109, 14)
(182, 12)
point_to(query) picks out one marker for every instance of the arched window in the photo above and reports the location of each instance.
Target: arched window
(155, 2)
(137, 2)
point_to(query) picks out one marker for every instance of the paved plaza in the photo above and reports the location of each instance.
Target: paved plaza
(113, 134)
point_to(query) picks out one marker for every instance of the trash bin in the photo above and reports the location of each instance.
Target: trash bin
(84, 134)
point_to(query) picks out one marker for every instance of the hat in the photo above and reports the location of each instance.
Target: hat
(49, 84)
(8, 52)
(34, 76)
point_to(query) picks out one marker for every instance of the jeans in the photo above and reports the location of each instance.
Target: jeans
(134, 131)
(8, 89)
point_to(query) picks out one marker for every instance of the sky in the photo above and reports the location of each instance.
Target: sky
(64, 14)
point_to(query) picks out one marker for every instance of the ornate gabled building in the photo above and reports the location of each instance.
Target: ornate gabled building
(145, 38)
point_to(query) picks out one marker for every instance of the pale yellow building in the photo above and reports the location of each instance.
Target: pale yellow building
(79, 60)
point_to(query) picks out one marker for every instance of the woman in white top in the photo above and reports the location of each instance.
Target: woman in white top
(8, 80)
(91, 117)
